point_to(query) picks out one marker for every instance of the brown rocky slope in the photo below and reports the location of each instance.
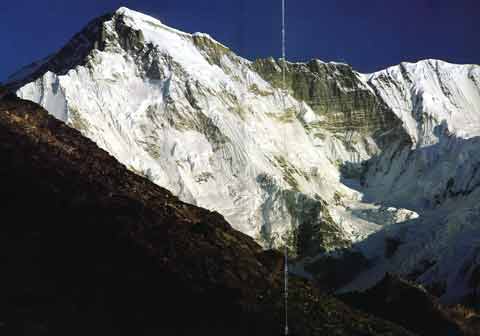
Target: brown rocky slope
(89, 248)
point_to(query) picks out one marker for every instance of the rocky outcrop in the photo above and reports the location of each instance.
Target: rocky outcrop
(335, 92)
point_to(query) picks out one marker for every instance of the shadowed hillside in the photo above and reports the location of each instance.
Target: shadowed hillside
(411, 305)
(89, 248)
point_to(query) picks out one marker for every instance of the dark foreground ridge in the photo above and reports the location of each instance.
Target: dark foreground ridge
(411, 305)
(90, 248)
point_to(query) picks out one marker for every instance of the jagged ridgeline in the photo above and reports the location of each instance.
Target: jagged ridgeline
(334, 91)
(350, 161)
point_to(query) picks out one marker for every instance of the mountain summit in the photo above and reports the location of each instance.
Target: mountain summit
(343, 160)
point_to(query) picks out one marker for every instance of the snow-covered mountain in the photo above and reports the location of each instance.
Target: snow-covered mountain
(193, 117)
(342, 158)
(436, 173)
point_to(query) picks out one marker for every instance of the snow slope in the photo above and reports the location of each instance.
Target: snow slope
(429, 94)
(436, 173)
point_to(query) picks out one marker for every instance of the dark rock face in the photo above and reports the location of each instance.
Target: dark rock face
(471, 270)
(90, 248)
(3, 92)
(331, 273)
(409, 304)
(73, 53)
(335, 92)
(316, 229)
(213, 50)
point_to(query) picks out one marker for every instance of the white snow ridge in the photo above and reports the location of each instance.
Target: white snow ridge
(353, 161)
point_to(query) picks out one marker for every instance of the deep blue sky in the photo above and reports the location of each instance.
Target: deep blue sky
(369, 34)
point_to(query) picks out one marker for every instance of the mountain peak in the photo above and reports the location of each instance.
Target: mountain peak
(140, 20)
(152, 25)
(126, 11)
(435, 90)
(123, 31)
